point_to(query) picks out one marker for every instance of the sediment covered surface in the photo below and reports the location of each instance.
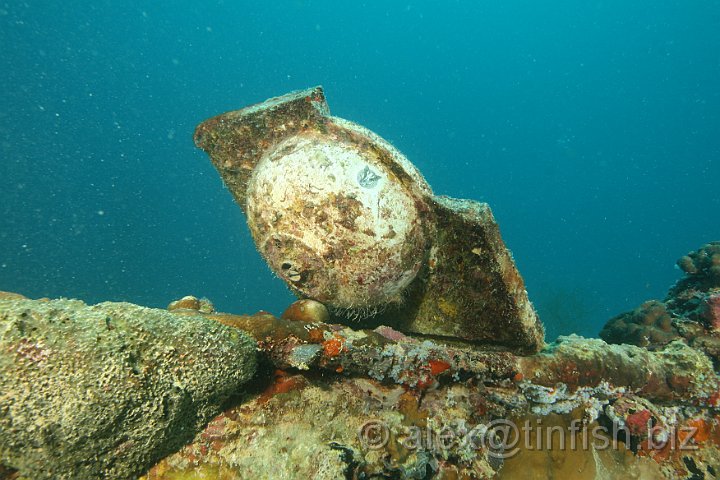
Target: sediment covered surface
(104, 391)
(332, 402)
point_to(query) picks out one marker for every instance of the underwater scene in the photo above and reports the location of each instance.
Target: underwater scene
(359, 240)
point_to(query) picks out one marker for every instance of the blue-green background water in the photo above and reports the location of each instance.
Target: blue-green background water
(591, 128)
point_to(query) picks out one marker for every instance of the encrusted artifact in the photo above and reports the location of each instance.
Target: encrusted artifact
(105, 391)
(345, 219)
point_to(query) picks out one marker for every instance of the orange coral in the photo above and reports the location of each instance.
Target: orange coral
(438, 366)
(334, 346)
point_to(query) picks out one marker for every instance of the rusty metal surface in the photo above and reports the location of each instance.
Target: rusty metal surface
(447, 274)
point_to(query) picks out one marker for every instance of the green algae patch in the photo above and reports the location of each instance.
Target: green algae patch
(107, 390)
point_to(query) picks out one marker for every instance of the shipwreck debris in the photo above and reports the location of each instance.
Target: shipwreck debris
(345, 219)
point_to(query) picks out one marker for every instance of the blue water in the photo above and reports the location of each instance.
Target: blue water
(591, 128)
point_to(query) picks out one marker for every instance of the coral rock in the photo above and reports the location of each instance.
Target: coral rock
(702, 268)
(375, 425)
(691, 311)
(650, 325)
(186, 303)
(308, 311)
(105, 391)
(711, 311)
